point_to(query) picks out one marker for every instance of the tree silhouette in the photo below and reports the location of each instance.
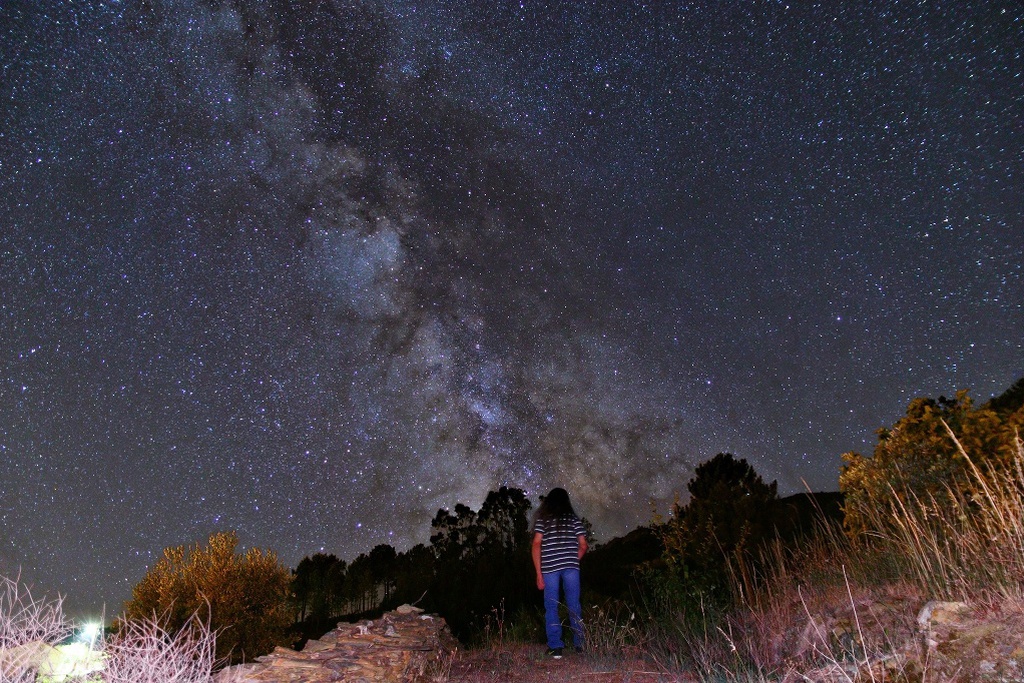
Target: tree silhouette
(477, 562)
(383, 567)
(454, 535)
(1009, 402)
(318, 587)
(361, 587)
(415, 571)
(503, 518)
(481, 560)
(730, 513)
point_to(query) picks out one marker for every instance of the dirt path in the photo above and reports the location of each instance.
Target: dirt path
(527, 664)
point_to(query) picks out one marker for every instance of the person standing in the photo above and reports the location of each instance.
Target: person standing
(559, 542)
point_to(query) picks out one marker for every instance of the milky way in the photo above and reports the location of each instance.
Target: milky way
(313, 270)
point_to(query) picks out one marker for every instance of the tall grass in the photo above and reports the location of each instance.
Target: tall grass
(968, 541)
(837, 605)
(822, 604)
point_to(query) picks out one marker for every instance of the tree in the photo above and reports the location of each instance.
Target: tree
(383, 567)
(1010, 402)
(731, 512)
(482, 560)
(360, 588)
(243, 598)
(414, 574)
(318, 586)
(503, 518)
(454, 535)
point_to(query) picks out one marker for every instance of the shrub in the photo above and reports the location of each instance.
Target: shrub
(243, 598)
(963, 540)
(916, 459)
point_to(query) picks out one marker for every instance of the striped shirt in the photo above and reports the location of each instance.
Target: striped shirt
(559, 544)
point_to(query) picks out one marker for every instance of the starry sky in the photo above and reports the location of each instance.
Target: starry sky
(312, 269)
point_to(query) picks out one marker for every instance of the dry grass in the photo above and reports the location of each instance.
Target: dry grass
(837, 609)
(29, 628)
(969, 543)
(144, 652)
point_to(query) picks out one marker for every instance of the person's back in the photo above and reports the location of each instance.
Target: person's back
(559, 541)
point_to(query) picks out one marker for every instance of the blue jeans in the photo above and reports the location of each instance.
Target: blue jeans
(568, 580)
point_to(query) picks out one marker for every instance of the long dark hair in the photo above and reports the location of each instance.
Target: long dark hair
(555, 506)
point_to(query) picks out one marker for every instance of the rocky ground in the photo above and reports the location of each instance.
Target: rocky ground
(899, 637)
(872, 638)
(894, 637)
(407, 646)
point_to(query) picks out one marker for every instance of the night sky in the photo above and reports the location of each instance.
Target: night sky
(311, 270)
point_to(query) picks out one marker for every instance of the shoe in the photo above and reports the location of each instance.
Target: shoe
(554, 653)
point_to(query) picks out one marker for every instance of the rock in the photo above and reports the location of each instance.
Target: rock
(961, 643)
(20, 660)
(938, 612)
(402, 646)
(408, 609)
(41, 661)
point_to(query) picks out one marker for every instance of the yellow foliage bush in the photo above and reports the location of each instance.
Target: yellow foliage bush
(917, 460)
(243, 598)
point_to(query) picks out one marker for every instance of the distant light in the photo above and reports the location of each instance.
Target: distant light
(90, 632)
